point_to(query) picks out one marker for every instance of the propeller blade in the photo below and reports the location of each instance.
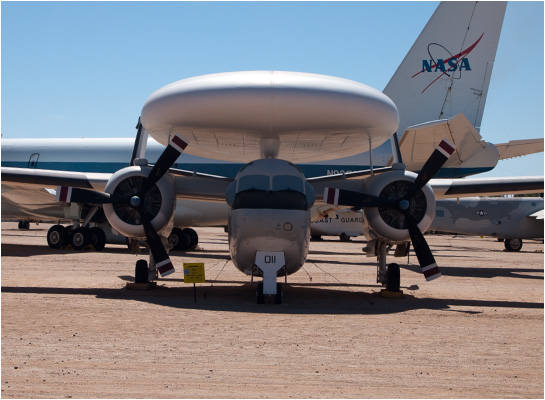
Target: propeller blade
(353, 199)
(67, 194)
(437, 159)
(423, 253)
(158, 251)
(165, 161)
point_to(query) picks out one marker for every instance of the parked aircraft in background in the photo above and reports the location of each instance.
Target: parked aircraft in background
(511, 219)
(268, 121)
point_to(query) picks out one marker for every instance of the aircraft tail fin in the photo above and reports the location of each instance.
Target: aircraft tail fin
(447, 70)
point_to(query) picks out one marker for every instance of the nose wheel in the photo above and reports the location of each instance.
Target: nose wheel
(261, 295)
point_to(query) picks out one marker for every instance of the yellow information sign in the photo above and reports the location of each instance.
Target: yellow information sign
(194, 273)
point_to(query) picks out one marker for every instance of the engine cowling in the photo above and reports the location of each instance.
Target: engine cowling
(389, 224)
(159, 202)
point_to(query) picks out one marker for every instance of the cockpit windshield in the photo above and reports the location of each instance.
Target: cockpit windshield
(288, 182)
(256, 191)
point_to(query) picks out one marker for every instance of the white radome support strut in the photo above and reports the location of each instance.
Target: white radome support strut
(269, 262)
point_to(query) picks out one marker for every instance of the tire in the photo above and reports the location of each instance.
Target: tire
(57, 236)
(315, 237)
(24, 225)
(179, 239)
(98, 238)
(80, 238)
(513, 244)
(344, 237)
(141, 272)
(393, 279)
(278, 295)
(260, 295)
(193, 237)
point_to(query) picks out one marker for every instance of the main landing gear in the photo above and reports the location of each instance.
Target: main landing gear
(147, 272)
(183, 239)
(24, 225)
(79, 238)
(513, 244)
(387, 274)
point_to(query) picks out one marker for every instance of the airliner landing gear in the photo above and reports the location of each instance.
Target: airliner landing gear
(59, 236)
(24, 225)
(183, 239)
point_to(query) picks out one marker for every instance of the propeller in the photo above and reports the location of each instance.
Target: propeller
(402, 204)
(136, 202)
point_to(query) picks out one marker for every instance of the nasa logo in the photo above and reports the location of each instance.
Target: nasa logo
(455, 63)
(428, 66)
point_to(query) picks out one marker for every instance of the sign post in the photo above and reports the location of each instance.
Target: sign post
(194, 273)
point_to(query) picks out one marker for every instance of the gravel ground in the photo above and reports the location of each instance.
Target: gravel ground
(70, 328)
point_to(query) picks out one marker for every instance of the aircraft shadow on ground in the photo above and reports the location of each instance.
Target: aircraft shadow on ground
(298, 299)
(476, 272)
(28, 250)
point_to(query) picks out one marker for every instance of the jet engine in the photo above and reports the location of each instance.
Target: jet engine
(158, 202)
(390, 224)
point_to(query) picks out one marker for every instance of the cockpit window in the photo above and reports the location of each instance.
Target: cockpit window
(256, 182)
(288, 182)
(261, 199)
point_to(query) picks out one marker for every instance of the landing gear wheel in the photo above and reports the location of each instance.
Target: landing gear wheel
(513, 244)
(344, 237)
(278, 295)
(80, 238)
(393, 278)
(179, 239)
(97, 238)
(260, 295)
(24, 225)
(315, 237)
(57, 236)
(141, 272)
(193, 237)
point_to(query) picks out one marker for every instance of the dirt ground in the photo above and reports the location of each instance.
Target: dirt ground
(70, 329)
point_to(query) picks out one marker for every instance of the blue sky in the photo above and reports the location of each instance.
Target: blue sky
(84, 69)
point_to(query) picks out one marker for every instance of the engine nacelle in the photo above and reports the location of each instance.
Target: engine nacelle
(388, 224)
(159, 202)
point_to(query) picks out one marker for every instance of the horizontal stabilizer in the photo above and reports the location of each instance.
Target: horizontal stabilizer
(537, 214)
(419, 141)
(517, 148)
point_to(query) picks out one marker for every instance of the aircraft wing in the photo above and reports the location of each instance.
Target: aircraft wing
(517, 148)
(43, 178)
(454, 188)
(19, 183)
